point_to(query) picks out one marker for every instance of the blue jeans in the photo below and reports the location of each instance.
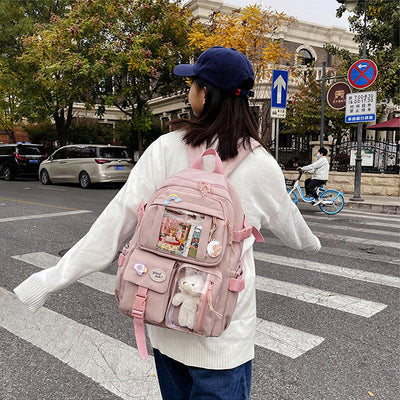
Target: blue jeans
(180, 382)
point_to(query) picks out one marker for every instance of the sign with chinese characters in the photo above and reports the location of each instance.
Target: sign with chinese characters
(336, 96)
(360, 107)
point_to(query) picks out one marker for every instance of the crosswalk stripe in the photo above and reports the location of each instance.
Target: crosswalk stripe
(327, 222)
(353, 228)
(370, 215)
(352, 239)
(336, 301)
(105, 360)
(106, 283)
(284, 340)
(48, 215)
(288, 345)
(337, 270)
(340, 252)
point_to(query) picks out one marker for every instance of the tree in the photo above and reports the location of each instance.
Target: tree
(382, 35)
(250, 30)
(304, 110)
(110, 53)
(18, 18)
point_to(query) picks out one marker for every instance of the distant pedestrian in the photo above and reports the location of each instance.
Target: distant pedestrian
(320, 171)
(192, 367)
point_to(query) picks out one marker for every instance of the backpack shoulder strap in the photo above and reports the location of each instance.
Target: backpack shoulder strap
(195, 152)
(230, 165)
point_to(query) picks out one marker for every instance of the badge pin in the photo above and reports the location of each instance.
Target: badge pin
(140, 268)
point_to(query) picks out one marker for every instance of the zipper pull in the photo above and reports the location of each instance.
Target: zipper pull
(209, 301)
(228, 223)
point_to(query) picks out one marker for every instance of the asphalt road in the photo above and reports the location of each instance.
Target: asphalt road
(328, 323)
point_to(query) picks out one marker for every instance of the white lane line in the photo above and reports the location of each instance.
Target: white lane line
(106, 283)
(354, 229)
(284, 340)
(336, 301)
(49, 215)
(111, 363)
(340, 252)
(366, 214)
(279, 338)
(352, 239)
(98, 280)
(344, 272)
(380, 223)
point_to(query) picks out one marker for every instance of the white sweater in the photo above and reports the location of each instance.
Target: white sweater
(319, 168)
(261, 187)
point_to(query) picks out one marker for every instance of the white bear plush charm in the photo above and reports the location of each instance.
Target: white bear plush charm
(190, 286)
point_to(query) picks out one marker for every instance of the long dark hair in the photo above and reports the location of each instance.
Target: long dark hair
(225, 117)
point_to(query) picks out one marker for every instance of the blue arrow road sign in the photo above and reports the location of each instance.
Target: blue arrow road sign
(279, 88)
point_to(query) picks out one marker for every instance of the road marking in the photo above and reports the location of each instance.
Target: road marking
(111, 363)
(336, 270)
(284, 340)
(97, 280)
(351, 239)
(38, 216)
(39, 204)
(336, 301)
(370, 215)
(288, 342)
(353, 228)
(340, 252)
(324, 221)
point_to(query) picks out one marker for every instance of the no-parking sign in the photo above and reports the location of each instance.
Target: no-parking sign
(362, 74)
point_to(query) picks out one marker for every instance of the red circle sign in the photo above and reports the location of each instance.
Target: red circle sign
(362, 74)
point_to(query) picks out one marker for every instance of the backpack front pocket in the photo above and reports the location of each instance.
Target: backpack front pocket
(192, 299)
(153, 273)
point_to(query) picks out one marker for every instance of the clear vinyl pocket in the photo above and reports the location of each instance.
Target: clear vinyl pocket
(195, 293)
(153, 273)
(184, 235)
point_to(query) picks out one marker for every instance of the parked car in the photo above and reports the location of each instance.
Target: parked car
(20, 159)
(87, 164)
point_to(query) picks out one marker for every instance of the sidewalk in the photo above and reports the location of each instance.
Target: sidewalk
(379, 204)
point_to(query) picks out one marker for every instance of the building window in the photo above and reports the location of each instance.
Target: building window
(305, 57)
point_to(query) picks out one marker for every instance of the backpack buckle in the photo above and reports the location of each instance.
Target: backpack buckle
(139, 304)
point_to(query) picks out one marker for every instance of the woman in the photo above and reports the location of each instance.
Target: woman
(189, 366)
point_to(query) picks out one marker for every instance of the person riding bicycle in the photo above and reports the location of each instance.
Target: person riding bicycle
(320, 170)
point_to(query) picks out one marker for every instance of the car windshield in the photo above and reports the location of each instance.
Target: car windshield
(114, 152)
(30, 150)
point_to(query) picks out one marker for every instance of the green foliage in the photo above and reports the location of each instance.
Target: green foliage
(304, 110)
(43, 132)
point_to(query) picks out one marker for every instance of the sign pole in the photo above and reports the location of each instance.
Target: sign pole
(276, 138)
(321, 134)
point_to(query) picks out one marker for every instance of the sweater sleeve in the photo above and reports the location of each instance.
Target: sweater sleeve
(271, 207)
(97, 249)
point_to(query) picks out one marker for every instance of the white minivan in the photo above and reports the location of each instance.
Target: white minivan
(86, 164)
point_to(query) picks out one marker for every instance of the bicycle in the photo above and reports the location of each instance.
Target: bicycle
(332, 200)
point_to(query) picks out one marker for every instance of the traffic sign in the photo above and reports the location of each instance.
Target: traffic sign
(362, 74)
(279, 88)
(360, 107)
(336, 96)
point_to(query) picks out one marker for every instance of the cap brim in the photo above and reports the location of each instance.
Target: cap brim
(184, 70)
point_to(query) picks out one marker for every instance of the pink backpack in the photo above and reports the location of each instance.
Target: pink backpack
(183, 269)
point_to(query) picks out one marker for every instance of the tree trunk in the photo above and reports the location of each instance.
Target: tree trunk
(140, 142)
(10, 135)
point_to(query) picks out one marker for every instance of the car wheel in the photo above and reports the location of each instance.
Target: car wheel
(44, 177)
(84, 180)
(8, 175)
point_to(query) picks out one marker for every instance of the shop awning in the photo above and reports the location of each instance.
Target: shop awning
(390, 125)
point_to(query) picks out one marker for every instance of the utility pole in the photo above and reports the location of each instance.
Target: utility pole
(323, 94)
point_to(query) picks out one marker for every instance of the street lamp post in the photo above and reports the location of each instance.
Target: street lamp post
(350, 6)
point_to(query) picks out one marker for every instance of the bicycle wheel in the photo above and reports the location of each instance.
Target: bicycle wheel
(293, 195)
(332, 201)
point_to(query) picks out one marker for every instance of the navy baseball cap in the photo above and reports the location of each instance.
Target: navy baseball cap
(225, 68)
